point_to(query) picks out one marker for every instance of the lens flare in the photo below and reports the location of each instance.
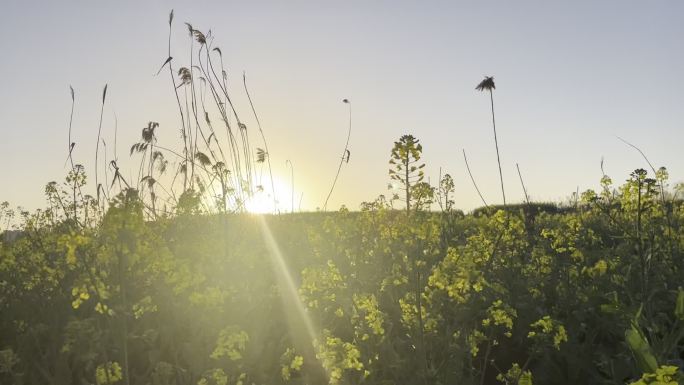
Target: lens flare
(286, 282)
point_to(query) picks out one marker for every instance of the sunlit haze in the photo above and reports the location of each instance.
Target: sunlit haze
(341, 192)
(570, 78)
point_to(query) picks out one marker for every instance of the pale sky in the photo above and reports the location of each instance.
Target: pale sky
(570, 77)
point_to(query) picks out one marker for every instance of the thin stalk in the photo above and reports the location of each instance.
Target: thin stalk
(116, 129)
(486, 361)
(473, 179)
(198, 127)
(97, 145)
(243, 133)
(212, 132)
(70, 148)
(140, 170)
(191, 154)
(666, 211)
(150, 174)
(236, 159)
(180, 108)
(224, 182)
(187, 111)
(106, 175)
(527, 198)
(263, 138)
(344, 153)
(179, 156)
(496, 143)
(193, 103)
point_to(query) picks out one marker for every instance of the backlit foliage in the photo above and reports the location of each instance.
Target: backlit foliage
(588, 294)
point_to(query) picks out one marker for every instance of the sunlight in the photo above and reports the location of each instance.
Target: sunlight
(287, 285)
(262, 202)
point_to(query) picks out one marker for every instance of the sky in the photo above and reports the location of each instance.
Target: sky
(570, 78)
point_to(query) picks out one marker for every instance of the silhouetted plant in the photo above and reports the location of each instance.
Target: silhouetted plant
(205, 163)
(472, 179)
(261, 154)
(406, 169)
(345, 155)
(527, 197)
(488, 85)
(98, 186)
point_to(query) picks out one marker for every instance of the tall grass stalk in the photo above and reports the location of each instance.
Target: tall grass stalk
(345, 153)
(527, 197)
(488, 85)
(169, 60)
(472, 179)
(70, 148)
(97, 145)
(263, 138)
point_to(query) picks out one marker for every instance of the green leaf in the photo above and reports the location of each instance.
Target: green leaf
(679, 305)
(641, 350)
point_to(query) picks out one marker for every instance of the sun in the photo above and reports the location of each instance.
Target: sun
(262, 201)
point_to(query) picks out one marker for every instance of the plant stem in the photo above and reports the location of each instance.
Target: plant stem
(346, 147)
(527, 198)
(97, 145)
(70, 148)
(473, 179)
(268, 154)
(496, 143)
(180, 109)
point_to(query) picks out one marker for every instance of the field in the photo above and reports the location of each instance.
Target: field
(193, 272)
(582, 294)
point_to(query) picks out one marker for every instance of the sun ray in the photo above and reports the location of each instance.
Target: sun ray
(287, 285)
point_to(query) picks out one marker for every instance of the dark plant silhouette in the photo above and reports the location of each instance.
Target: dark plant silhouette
(180, 107)
(527, 197)
(345, 155)
(71, 150)
(405, 169)
(488, 85)
(223, 173)
(97, 145)
(261, 154)
(473, 179)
